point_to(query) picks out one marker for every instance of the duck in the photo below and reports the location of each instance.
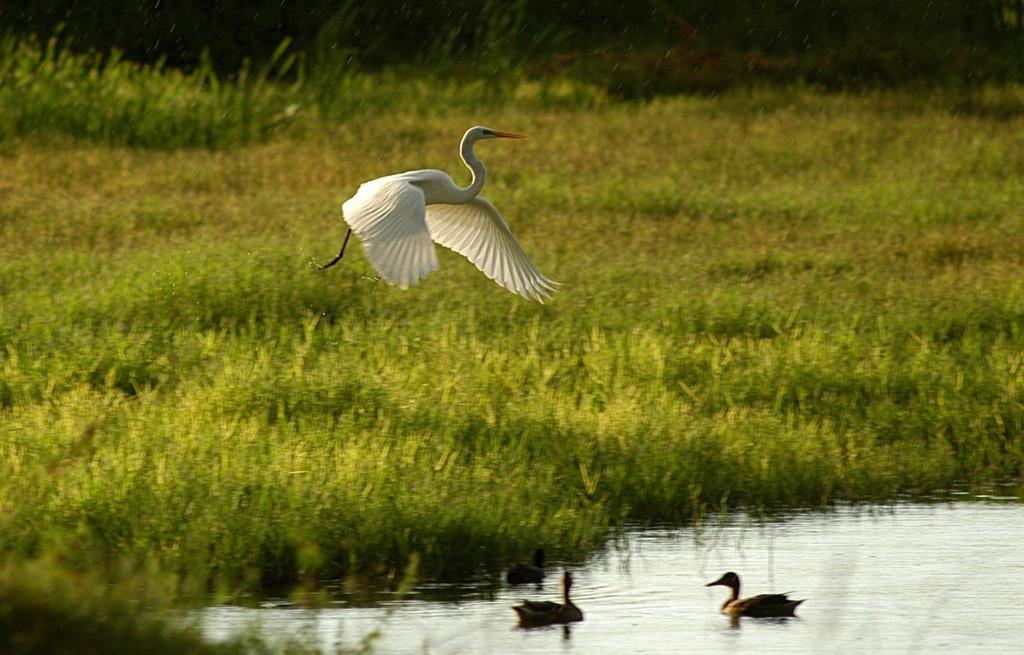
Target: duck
(761, 606)
(536, 613)
(524, 573)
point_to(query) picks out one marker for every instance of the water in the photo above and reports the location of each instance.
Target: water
(914, 578)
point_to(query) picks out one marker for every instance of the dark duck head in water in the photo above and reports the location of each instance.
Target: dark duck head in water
(524, 573)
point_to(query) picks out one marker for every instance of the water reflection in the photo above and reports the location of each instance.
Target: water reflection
(736, 622)
(905, 578)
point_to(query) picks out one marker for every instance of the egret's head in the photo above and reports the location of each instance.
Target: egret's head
(481, 132)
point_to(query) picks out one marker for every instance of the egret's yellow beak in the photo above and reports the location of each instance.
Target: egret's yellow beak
(509, 135)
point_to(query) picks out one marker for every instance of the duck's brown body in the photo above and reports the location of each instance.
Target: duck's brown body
(760, 606)
(536, 613)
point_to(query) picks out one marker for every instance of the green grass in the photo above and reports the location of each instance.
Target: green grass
(49, 91)
(771, 299)
(45, 611)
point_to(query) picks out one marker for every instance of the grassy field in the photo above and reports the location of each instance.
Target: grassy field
(771, 299)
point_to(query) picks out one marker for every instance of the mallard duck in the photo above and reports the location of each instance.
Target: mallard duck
(523, 573)
(534, 613)
(764, 605)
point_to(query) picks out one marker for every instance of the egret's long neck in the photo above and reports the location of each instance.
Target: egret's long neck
(475, 166)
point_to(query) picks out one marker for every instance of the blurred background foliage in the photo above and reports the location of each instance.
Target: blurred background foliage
(640, 48)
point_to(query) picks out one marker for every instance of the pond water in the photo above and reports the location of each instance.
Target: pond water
(909, 578)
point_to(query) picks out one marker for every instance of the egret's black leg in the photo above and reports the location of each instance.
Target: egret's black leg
(340, 252)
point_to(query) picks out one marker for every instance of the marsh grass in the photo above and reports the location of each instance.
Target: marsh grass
(45, 610)
(771, 299)
(49, 90)
(52, 91)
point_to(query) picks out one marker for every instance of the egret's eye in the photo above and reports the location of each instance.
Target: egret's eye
(488, 132)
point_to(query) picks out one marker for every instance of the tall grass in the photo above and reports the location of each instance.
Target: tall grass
(52, 90)
(771, 300)
(45, 612)
(48, 90)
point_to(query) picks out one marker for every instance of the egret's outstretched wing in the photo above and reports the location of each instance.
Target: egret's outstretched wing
(476, 230)
(388, 216)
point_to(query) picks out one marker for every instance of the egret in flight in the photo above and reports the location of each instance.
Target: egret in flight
(399, 217)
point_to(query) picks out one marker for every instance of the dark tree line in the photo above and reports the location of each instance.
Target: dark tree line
(869, 37)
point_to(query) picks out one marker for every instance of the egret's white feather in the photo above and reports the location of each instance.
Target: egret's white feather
(388, 216)
(476, 230)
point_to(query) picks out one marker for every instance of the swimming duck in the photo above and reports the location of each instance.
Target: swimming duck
(535, 613)
(523, 573)
(763, 605)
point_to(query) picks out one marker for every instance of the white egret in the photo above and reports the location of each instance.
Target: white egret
(399, 217)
